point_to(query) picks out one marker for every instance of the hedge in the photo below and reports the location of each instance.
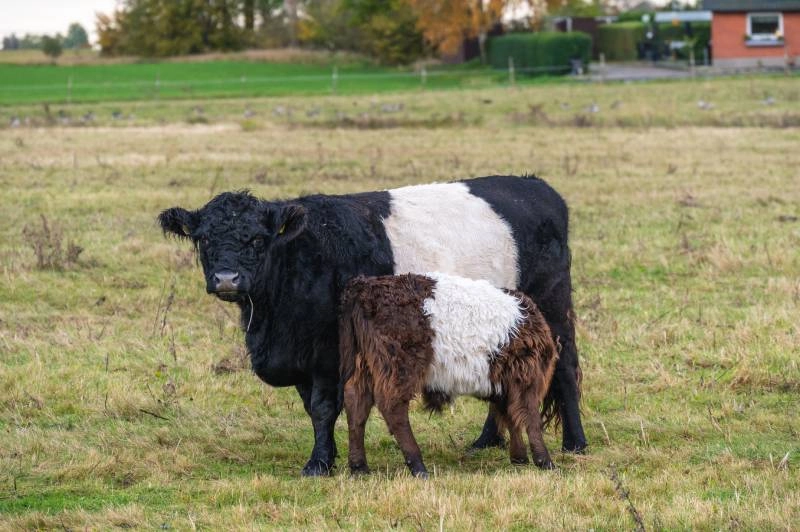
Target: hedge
(618, 41)
(541, 50)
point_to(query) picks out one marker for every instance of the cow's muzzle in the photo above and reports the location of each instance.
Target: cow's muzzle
(227, 285)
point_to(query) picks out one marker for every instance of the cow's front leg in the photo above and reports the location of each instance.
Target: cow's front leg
(322, 407)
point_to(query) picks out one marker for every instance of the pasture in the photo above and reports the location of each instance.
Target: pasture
(237, 76)
(125, 397)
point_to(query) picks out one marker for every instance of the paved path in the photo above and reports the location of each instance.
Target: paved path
(633, 72)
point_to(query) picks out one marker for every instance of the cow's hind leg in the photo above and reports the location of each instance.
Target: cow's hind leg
(357, 404)
(395, 413)
(556, 306)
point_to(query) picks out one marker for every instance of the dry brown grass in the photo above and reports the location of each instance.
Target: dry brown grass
(93, 57)
(114, 412)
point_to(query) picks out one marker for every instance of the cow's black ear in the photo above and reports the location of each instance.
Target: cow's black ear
(177, 221)
(286, 222)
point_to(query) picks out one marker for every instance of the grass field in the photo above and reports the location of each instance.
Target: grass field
(124, 395)
(36, 83)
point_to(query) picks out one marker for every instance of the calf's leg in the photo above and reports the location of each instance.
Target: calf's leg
(395, 412)
(534, 424)
(357, 404)
(516, 446)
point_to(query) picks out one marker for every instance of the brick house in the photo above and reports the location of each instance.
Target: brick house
(749, 33)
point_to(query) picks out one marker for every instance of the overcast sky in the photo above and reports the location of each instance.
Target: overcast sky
(50, 16)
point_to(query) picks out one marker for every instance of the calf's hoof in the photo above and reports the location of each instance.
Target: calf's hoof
(317, 468)
(359, 469)
(547, 465)
(421, 474)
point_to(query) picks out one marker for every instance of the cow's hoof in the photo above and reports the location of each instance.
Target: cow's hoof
(359, 469)
(574, 447)
(317, 468)
(485, 442)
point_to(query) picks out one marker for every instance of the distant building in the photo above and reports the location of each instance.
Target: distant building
(748, 33)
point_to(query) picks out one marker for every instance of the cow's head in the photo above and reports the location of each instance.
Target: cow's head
(233, 235)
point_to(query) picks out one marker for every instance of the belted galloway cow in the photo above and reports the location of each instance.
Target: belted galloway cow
(285, 263)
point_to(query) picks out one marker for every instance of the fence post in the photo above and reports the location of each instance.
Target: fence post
(602, 67)
(691, 62)
(158, 84)
(787, 65)
(705, 56)
(511, 73)
(423, 75)
(334, 78)
(69, 89)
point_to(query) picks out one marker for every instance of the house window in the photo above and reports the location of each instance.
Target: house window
(764, 26)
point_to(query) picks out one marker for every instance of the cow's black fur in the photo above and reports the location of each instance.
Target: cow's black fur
(539, 220)
(294, 257)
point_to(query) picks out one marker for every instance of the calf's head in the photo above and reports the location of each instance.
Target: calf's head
(234, 235)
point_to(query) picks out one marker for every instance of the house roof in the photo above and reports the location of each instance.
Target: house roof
(683, 16)
(752, 5)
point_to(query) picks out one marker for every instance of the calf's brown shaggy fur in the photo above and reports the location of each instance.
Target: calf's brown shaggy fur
(387, 349)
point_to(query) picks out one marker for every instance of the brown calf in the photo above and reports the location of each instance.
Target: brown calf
(442, 336)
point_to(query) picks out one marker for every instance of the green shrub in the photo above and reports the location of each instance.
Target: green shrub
(542, 50)
(618, 41)
(634, 16)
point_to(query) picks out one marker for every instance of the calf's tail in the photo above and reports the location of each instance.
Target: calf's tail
(351, 315)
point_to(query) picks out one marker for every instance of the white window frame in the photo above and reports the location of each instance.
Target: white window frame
(764, 36)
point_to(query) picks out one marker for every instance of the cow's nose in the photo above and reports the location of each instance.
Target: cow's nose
(226, 281)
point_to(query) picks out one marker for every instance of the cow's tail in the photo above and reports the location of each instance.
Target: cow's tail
(552, 402)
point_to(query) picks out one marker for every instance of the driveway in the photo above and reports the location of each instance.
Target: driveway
(634, 72)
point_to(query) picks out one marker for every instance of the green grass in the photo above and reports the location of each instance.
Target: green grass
(684, 233)
(214, 79)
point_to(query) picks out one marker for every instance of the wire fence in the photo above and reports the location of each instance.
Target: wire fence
(72, 88)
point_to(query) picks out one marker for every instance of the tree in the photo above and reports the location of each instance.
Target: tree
(11, 42)
(249, 12)
(51, 46)
(389, 30)
(76, 37)
(30, 41)
(577, 8)
(447, 23)
(329, 25)
(171, 27)
(290, 8)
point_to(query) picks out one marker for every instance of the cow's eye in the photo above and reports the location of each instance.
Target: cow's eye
(257, 242)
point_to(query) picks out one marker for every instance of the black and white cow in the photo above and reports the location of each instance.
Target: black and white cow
(285, 264)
